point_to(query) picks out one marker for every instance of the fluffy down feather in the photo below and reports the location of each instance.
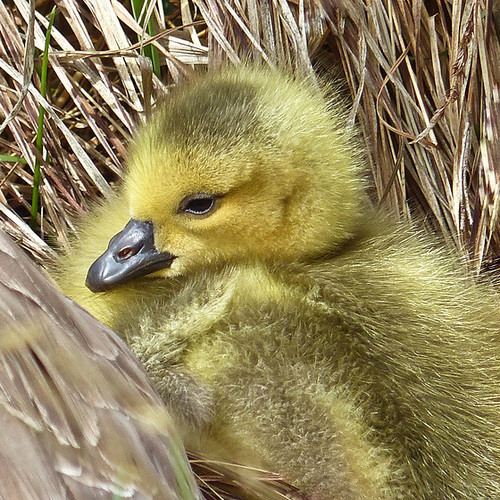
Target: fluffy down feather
(292, 327)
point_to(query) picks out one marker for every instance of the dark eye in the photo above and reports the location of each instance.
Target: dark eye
(198, 204)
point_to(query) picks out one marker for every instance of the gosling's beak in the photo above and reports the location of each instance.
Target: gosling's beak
(131, 253)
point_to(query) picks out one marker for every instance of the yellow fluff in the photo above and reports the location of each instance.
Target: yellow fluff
(285, 323)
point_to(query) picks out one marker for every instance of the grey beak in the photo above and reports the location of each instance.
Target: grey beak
(131, 254)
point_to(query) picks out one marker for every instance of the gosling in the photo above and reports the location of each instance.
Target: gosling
(286, 323)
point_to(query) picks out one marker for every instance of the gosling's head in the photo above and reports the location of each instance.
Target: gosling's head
(243, 165)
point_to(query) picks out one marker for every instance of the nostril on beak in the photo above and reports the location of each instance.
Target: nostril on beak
(126, 253)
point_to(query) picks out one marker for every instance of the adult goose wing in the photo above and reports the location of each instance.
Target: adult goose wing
(79, 418)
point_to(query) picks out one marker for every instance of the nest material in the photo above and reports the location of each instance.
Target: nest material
(423, 78)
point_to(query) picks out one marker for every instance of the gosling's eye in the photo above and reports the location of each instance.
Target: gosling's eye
(199, 204)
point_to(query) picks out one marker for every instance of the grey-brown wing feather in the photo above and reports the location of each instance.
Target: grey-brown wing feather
(78, 415)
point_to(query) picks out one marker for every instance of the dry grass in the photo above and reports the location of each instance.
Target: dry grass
(424, 79)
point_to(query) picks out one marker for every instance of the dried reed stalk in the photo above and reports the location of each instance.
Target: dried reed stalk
(423, 77)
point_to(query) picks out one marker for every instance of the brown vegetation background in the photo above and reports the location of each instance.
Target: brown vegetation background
(423, 78)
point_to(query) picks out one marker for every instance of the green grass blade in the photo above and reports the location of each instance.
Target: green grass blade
(41, 113)
(12, 159)
(148, 50)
